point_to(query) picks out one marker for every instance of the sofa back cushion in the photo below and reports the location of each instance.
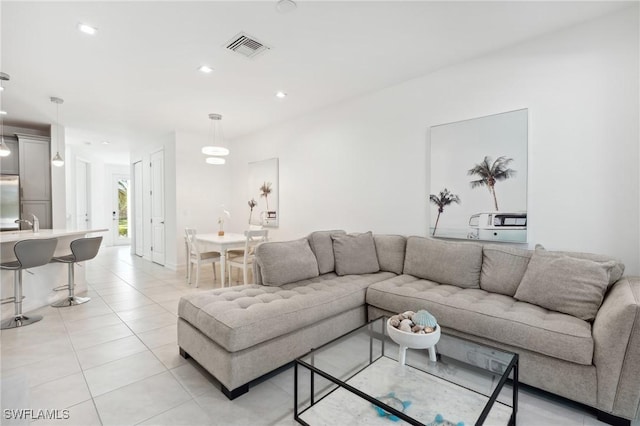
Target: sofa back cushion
(390, 250)
(355, 254)
(286, 262)
(565, 284)
(444, 262)
(503, 268)
(322, 246)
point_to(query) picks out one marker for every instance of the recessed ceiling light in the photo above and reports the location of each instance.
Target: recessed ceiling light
(281, 95)
(205, 69)
(1, 88)
(286, 6)
(3, 112)
(105, 142)
(87, 29)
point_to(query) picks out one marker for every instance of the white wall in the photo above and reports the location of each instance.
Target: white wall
(201, 189)
(363, 164)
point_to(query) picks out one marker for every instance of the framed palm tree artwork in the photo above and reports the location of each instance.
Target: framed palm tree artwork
(478, 178)
(263, 193)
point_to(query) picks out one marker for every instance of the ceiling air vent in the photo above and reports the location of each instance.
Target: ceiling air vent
(246, 45)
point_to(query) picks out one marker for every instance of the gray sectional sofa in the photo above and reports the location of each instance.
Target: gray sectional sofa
(573, 318)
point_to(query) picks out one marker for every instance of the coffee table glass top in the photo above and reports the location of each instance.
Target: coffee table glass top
(348, 381)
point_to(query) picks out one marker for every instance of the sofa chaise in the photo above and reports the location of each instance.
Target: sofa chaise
(573, 318)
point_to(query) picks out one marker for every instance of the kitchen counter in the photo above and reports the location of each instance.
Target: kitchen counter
(38, 283)
(14, 236)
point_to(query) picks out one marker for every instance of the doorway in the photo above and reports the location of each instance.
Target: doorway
(157, 208)
(121, 212)
(138, 228)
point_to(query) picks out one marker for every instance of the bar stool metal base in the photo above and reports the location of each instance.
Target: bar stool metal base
(20, 321)
(71, 301)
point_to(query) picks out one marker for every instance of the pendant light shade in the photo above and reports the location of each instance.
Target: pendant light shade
(4, 149)
(217, 149)
(57, 160)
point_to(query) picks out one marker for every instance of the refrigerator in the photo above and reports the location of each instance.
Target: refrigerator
(9, 202)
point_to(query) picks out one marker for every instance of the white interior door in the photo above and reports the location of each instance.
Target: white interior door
(83, 186)
(157, 208)
(138, 232)
(121, 211)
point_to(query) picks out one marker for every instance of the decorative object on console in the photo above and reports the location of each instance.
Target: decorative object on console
(415, 330)
(392, 401)
(57, 159)
(224, 213)
(500, 142)
(263, 185)
(218, 149)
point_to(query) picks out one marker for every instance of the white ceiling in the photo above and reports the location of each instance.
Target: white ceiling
(137, 78)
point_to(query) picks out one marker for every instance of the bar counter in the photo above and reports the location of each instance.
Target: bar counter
(38, 283)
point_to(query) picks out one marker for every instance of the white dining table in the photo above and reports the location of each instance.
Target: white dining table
(221, 243)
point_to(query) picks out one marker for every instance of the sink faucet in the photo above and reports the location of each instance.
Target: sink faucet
(35, 225)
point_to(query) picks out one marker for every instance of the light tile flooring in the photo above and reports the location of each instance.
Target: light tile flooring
(114, 361)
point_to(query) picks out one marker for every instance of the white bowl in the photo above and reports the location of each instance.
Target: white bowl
(413, 340)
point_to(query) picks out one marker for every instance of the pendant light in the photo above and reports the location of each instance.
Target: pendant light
(216, 150)
(4, 149)
(57, 159)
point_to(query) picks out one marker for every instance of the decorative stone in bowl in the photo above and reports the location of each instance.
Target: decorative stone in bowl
(425, 335)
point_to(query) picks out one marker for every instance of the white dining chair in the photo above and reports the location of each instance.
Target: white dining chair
(197, 258)
(244, 261)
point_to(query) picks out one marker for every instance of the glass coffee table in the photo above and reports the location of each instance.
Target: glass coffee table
(357, 379)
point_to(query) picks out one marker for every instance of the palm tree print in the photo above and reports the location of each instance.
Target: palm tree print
(491, 173)
(265, 190)
(442, 200)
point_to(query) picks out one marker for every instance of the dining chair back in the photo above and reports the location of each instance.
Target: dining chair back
(196, 258)
(254, 237)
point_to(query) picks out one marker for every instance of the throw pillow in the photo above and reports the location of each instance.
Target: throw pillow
(616, 272)
(565, 284)
(503, 268)
(286, 262)
(322, 246)
(390, 250)
(355, 254)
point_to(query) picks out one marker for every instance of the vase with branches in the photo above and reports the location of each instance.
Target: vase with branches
(490, 173)
(441, 201)
(252, 203)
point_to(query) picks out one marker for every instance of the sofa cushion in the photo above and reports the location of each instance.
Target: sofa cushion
(390, 250)
(322, 246)
(286, 262)
(616, 272)
(243, 316)
(565, 284)
(355, 254)
(497, 317)
(503, 268)
(446, 262)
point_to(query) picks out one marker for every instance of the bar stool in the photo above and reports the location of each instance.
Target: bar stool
(81, 249)
(29, 254)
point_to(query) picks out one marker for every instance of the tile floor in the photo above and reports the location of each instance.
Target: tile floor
(114, 361)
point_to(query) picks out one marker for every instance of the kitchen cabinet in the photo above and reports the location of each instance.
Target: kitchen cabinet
(10, 165)
(35, 178)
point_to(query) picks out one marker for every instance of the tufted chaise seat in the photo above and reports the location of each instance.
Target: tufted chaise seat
(241, 317)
